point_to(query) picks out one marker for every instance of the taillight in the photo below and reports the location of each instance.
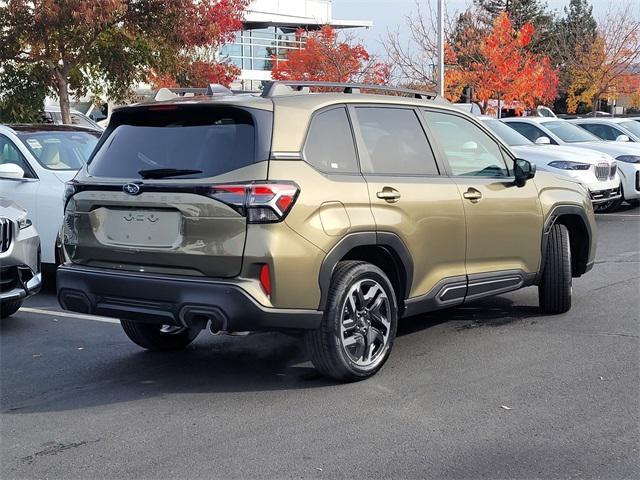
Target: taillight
(260, 202)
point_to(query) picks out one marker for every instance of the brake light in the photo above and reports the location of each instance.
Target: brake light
(265, 278)
(259, 202)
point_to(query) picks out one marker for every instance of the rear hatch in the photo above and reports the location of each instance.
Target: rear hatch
(157, 195)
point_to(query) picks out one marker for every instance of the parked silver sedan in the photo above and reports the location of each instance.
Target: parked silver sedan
(20, 274)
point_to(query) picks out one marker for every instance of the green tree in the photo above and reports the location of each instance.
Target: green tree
(575, 33)
(521, 12)
(23, 88)
(109, 45)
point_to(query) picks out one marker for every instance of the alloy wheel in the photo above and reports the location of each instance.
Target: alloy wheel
(365, 325)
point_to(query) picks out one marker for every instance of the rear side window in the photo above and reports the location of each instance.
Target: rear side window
(207, 140)
(395, 143)
(330, 147)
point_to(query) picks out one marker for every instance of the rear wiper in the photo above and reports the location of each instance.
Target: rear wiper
(166, 172)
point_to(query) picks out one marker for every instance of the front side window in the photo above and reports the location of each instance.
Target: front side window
(467, 148)
(632, 126)
(330, 147)
(530, 131)
(605, 132)
(507, 135)
(9, 153)
(395, 143)
(569, 133)
(60, 150)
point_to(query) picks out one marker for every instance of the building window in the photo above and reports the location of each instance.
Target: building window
(254, 49)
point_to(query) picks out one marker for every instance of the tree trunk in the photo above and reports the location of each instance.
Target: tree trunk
(63, 94)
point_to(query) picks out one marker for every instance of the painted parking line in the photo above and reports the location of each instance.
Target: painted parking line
(80, 316)
(617, 215)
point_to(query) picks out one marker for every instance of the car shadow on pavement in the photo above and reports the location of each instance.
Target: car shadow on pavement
(490, 312)
(213, 364)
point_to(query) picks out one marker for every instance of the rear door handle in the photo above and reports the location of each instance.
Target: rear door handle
(473, 195)
(389, 194)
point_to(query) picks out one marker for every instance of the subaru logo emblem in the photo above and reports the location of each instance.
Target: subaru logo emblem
(131, 188)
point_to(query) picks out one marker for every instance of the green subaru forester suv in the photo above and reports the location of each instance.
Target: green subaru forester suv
(325, 209)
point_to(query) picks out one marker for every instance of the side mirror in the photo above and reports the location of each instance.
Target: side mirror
(543, 141)
(622, 138)
(469, 146)
(523, 170)
(12, 171)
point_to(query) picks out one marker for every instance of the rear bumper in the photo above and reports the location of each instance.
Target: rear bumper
(173, 300)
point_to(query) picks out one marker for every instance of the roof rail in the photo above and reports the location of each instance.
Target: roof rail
(213, 90)
(288, 87)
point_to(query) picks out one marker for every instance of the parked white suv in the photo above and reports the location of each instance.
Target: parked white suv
(20, 275)
(560, 132)
(596, 171)
(35, 163)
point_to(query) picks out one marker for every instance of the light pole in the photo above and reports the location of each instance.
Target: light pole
(440, 73)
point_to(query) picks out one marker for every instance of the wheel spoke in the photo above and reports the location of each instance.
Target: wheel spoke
(360, 295)
(351, 305)
(352, 340)
(361, 345)
(371, 298)
(381, 320)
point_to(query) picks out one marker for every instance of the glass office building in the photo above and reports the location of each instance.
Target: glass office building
(270, 32)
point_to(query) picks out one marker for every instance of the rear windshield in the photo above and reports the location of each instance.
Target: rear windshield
(205, 141)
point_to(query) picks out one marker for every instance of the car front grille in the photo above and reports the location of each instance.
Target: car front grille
(6, 234)
(614, 169)
(602, 171)
(604, 194)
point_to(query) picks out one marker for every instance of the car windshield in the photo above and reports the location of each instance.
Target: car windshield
(60, 150)
(569, 133)
(632, 126)
(506, 133)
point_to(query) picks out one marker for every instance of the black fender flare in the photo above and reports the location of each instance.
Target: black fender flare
(390, 241)
(556, 212)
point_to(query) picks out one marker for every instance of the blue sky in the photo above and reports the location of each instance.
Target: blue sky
(388, 14)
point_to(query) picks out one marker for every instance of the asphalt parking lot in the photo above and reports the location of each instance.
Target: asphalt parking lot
(491, 390)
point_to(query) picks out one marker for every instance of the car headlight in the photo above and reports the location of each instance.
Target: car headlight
(23, 222)
(570, 165)
(629, 158)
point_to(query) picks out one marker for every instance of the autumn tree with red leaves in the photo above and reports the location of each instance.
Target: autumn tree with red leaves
(111, 44)
(503, 68)
(328, 58)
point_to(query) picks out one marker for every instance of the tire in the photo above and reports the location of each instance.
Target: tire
(554, 291)
(152, 337)
(9, 308)
(634, 203)
(608, 207)
(359, 324)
